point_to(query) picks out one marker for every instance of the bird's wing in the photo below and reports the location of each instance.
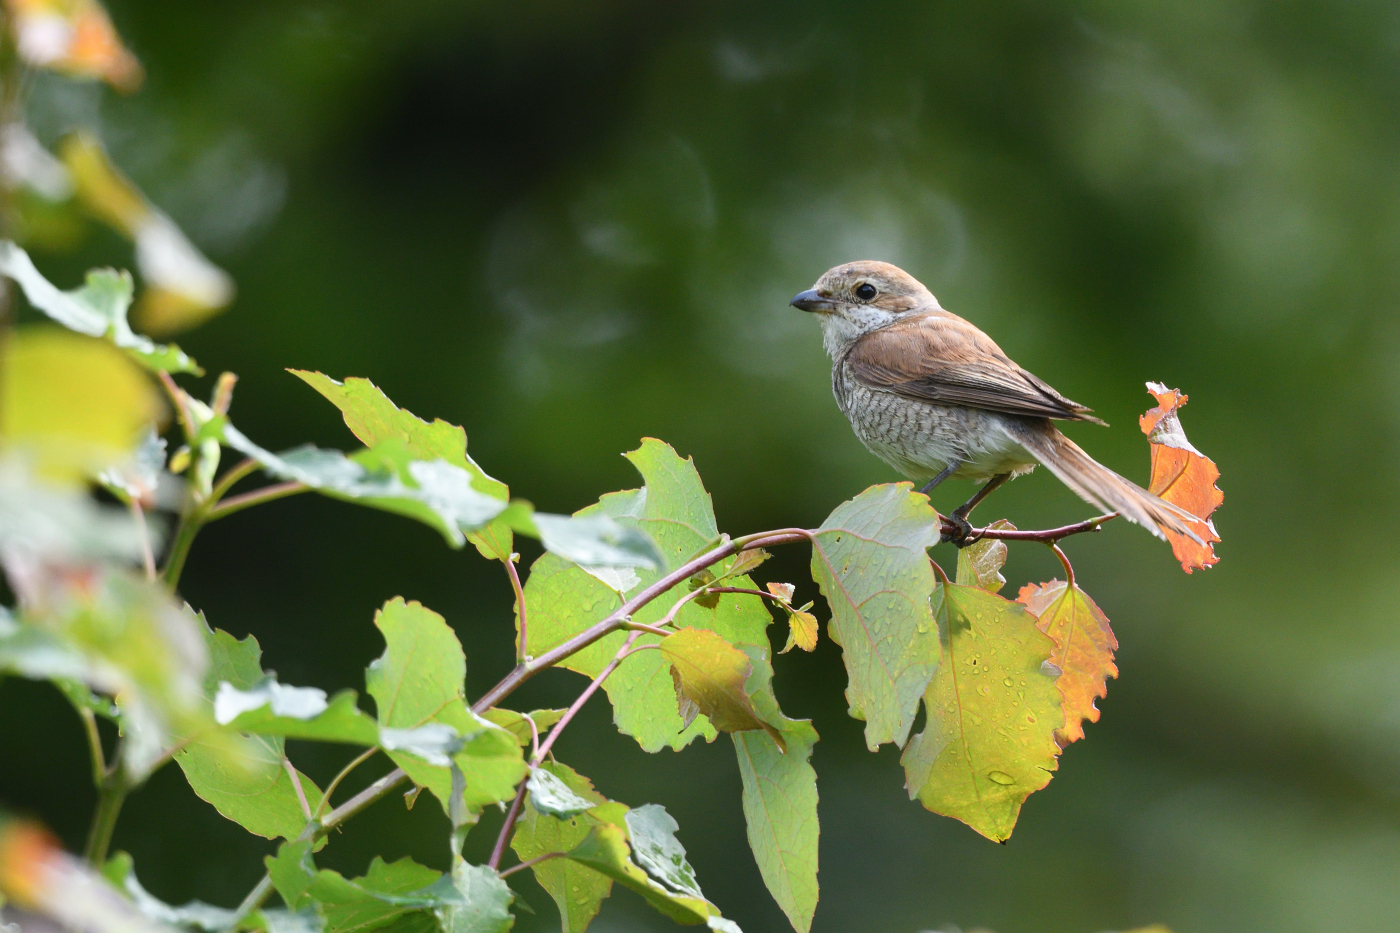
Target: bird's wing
(939, 357)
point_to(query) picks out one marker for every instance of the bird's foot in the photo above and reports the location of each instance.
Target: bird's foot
(961, 535)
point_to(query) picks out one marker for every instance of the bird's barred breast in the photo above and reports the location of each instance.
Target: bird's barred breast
(920, 438)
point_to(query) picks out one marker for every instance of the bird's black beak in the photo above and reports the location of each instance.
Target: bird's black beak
(811, 300)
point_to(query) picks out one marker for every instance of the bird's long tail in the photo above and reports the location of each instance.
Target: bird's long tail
(1096, 483)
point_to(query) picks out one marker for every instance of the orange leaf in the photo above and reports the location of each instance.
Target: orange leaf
(74, 37)
(1084, 646)
(1183, 476)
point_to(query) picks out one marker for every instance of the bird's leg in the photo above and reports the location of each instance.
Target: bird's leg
(960, 514)
(948, 471)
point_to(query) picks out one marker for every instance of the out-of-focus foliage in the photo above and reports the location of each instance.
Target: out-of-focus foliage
(593, 199)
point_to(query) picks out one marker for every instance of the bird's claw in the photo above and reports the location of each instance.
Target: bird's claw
(961, 535)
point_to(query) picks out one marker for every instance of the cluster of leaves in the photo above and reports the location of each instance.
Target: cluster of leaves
(639, 592)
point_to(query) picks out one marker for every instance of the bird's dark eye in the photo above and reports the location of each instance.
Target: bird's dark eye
(865, 291)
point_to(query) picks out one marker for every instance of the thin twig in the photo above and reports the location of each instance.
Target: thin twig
(344, 773)
(256, 497)
(521, 654)
(747, 592)
(230, 477)
(509, 825)
(1049, 534)
(583, 698)
(531, 863)
(615, 620)
(94, 739)
(296, 785)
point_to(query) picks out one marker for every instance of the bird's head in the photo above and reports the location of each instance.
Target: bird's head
(853, 299)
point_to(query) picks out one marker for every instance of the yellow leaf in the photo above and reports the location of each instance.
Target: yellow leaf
(77, 404)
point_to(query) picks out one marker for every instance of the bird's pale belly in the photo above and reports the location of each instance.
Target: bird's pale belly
(920, 439)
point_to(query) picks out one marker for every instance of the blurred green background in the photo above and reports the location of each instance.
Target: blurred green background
(567, 226)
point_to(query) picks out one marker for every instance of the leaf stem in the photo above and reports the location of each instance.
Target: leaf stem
(185, 532)
(531, 863)
(643, 627)
(94, 740)
(110, 797)
(230, 477)
(296, 785)
(521, 652)
(250, 499)
(335, 782)
(942, 574)
(1069, 571)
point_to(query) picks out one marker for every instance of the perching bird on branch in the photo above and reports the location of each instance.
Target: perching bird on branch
(934, 397)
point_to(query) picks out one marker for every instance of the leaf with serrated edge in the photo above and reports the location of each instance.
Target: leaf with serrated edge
(869, 558)
(980, 564)
(578, 891)
(780, 799)
(97, 309)
(802, 631)
(419, 680)
(562, 600)
(548, 794)
(605, 850)
(1183, 476)
(711, 673)
(373, 418)
(992, 713)
(262, 799)
(518, 725)
(1084, 646)
(485, 901)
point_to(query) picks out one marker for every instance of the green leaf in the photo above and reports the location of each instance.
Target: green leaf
(992, 713)
(562, 599)
(260, 797)
(550, 795)
(578, 891)
(391, 892)
(486, 900)
(340, 720)
(72, 406)
(518, 724)
(869, 559)
(980, 564)
(420, 679)
(591, 541)
(709, 675)
(435, 492)
(373, 418)
(780, 799)
(670, 887)
(98, 309)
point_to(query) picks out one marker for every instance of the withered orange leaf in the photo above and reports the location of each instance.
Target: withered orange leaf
(1084, 646)
(1183, 476)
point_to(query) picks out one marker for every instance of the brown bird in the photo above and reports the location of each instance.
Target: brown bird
(934, 397)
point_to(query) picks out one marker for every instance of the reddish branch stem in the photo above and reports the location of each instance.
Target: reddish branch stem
(619, 619)
(1049, 535)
